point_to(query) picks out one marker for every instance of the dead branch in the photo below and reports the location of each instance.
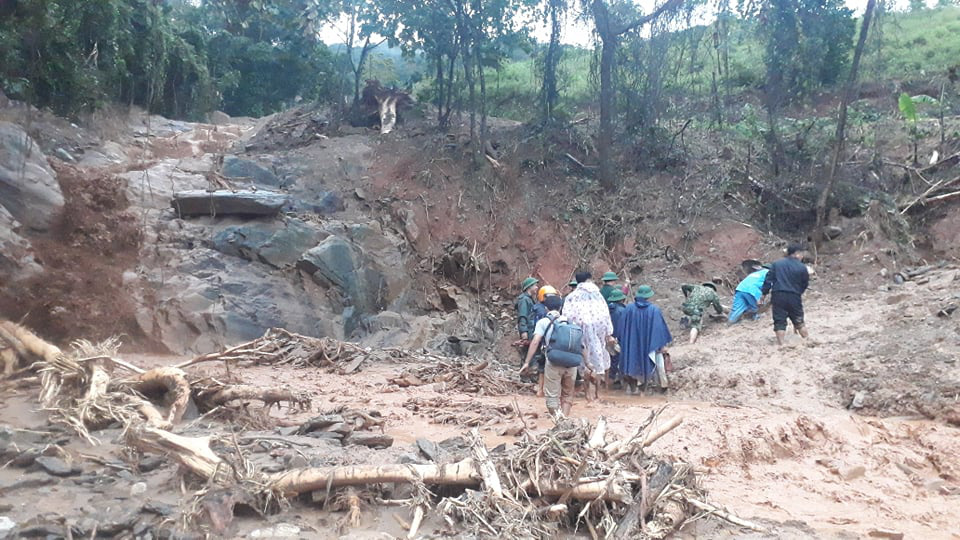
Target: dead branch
(173, 382)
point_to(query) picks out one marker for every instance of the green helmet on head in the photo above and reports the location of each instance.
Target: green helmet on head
(610, 276)
(527, 283)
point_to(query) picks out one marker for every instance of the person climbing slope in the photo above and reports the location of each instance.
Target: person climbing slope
(748, 294)
(698, 299)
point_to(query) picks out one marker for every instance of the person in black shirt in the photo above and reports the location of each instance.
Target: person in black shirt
(786, 282)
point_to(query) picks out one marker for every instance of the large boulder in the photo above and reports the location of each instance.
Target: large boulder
(28, 186)
(235, 167)
(337, 262)
(204, 301)
(277, 244)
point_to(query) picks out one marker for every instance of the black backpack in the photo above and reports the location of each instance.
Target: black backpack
(564, 343)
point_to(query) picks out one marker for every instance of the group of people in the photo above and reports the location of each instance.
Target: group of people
(595, 335)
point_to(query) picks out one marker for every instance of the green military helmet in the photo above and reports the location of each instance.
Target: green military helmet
(616, 296)
(610, 276)
(644, 291)
(529, 282)
(573, 283)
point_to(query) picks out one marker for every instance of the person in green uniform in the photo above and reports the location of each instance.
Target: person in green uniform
(525, 318)
(609, 285)
(698, 299)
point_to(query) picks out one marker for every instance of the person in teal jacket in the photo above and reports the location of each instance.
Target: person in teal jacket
(748, 294)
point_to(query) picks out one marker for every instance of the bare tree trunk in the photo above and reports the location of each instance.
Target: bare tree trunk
(608, 50)
(550, 62)
(842, 123)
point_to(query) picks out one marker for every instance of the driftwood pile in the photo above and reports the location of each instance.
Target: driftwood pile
(282, 347)
(443, 410)
(573, 477)
(88, 387)
(484, 378)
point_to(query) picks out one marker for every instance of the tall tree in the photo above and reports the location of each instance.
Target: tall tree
(549, 94)
(609, 27)
(840, 137)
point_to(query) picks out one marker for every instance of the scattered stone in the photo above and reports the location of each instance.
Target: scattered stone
(56, 466)
(832, 231)
(886, 533)
(429, 449)
(150, 463)
(224, 202)
(138, 489)
(158, 508)
(280, 530)
(372, 440)
(6, 525)
(858, 399)
(64, 155)
(852, 473)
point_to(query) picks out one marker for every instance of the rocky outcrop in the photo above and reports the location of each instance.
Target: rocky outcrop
(28, 186)
(16, 253)
(276, 243)
(228, 203)
(338, 263)
(205, 301)
(239, 168)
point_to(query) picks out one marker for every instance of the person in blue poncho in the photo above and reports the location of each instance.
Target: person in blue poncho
(643, 336)
(617, 307)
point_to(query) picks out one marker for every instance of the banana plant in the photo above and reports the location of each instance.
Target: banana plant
(908, 109)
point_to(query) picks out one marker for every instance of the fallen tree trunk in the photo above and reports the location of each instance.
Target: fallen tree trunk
(224, 202)
(269, 396)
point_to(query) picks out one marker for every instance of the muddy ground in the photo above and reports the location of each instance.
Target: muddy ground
(769, 427)
(851, 434)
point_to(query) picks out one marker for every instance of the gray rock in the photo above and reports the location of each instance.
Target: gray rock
(7, 525)
(227, 203)
(138, 489)
(858, 399)
(56, 466)
(832, 231)
(280, 530)
(235, 167)
(339, 263)
(16, 253)
(28, 186)
(278, 245)
(219, 118)
(64, 155)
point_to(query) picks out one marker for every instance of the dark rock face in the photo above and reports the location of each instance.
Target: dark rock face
(28, 186)
(228, 203)
(235, 167)
(276, 244)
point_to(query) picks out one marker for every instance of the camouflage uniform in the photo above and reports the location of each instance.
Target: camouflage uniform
(699, 298)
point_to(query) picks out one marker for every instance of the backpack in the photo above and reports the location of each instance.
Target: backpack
(564, 343)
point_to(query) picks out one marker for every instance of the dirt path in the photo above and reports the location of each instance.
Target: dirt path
(766, 424)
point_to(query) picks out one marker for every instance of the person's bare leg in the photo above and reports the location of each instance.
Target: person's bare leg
(802, 330)
(565, 407)
(693, 335)
(780, 334)
(540, 386)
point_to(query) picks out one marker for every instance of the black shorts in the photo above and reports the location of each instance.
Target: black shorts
(786, 306)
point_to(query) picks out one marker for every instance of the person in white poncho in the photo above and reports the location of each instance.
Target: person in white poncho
(586, 308)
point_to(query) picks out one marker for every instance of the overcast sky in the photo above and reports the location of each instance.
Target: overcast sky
(577, 32)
